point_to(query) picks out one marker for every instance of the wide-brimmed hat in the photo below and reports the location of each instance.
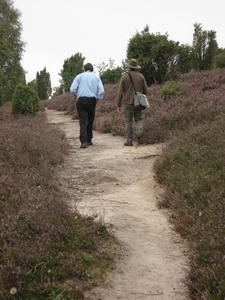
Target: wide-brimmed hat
(133, 64)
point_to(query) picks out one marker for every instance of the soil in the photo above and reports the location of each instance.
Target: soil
(116, 184)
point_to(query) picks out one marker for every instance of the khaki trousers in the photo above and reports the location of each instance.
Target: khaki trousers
(133, 113)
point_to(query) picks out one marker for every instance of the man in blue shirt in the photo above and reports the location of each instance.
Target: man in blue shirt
(88, 89)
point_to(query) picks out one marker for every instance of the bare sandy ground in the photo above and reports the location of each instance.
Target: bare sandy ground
(116, 184)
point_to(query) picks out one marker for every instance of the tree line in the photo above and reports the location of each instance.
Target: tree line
(161, 59)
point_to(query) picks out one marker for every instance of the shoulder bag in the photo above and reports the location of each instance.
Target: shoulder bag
(140, 99)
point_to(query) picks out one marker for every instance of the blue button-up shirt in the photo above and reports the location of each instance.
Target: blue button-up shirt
(87, 84)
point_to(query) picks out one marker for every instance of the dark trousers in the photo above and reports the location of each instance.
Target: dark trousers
(86, 113)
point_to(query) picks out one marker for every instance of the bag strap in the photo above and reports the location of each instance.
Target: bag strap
(131, 79)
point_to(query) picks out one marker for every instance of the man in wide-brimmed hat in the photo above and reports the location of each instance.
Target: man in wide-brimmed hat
(133, 64)
(126, 97)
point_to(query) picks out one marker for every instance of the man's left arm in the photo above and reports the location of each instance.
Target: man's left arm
(100, 91)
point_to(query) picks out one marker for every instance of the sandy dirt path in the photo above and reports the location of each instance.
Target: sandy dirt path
(116, 184)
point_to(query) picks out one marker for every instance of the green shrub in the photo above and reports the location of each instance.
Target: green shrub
(25, 101)
(170, 90)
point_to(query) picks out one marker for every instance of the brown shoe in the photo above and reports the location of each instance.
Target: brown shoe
(89, 143)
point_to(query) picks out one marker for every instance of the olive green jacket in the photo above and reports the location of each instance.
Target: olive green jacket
(126, 91)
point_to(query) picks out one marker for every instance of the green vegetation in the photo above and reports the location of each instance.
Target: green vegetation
(25, 101)
(71, 67)
(170, 89)
(160, 58)
(112, 75)
(11, 50)
(43, 84)
(219, 59)
(205, 48)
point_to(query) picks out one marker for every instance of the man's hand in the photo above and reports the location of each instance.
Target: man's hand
(119, 109)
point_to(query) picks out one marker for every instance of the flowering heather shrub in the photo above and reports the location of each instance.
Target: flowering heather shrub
(108, 103)
(192, 170)
(42, 243)
(107, 119)
(103, 124)
(201, 98)
(5, 112)
(64, 102)
(193, 106)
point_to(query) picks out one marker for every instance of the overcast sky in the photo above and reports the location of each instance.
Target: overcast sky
(100, 29)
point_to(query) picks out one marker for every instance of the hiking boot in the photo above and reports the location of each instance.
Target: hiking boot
(83, 145)
(140, 140)
(128, 144)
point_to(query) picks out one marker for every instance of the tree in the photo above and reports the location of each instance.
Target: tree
(101, 68)
(43, 84)
(161, 59)
(219, 59)
(184, 59)
(25, 101)
(33, 84)
(111, 76)
(58, 90)
(204, 48)
(72, 66)
(11, 50)
(109, 73)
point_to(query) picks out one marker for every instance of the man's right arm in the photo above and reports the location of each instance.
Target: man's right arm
(119, 110)
(74, 87)
(120, 96)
